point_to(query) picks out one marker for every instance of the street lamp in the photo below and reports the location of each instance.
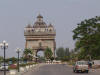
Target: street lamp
(4, 46)
(18, 50)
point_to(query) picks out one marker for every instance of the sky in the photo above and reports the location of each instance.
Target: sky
(63, 14)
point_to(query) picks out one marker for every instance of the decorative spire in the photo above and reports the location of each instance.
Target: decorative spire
(29, 26)
(39, 22)
(39, 16)
(50, 25)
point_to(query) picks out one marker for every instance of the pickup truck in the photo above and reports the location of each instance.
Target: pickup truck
(81, 66)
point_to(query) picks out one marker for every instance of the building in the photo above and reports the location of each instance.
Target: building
(39, 36)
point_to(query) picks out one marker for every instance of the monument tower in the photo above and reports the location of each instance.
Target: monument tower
(40, 36)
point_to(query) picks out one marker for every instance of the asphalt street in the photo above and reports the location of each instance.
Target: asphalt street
(58, 69)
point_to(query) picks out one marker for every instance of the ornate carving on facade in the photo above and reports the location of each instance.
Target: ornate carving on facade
(40, 35)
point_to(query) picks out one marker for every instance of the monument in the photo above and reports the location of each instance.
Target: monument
(40, 36)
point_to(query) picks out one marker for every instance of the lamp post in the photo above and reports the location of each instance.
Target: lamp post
(18, 50)
(4, 46)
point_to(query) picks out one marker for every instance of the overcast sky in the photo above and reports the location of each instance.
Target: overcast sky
(63, 14)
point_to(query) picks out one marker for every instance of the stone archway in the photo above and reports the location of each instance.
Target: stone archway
(40, 57)
(40, 36)
(40, 49)
(36, 50)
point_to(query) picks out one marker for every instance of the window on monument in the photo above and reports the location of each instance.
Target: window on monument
(50, 30)
(45, 29)
(28, 30)
(39, 30)
(40, 19)
(39, 24)
(32, 30)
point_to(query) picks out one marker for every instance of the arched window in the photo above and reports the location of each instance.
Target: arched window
(32, 30)
(50, 30)
(28, 30)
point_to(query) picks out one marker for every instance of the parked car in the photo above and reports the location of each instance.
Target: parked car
(13, 66)
(81, 66)
(2, 66)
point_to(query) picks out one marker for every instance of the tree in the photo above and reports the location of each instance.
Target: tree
(48, 53)
(67, 53)
(1, 59)
(12, 59)
(63, 54)
(27, 53)
(87, 36)
(60, 52)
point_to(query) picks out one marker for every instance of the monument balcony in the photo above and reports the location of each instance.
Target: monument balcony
(26, 33)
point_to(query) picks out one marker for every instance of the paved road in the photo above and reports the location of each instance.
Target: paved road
(57, 69)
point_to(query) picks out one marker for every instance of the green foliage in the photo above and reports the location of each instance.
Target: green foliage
(13, 59)
(67, 53)
(27, 51)
(87, 36)
(82, 54)
(52, 58)
(48, 53)
(1, 59)
(23, 65)
(41, 59)
(27, 54)
(60, 52)
(63, 54)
